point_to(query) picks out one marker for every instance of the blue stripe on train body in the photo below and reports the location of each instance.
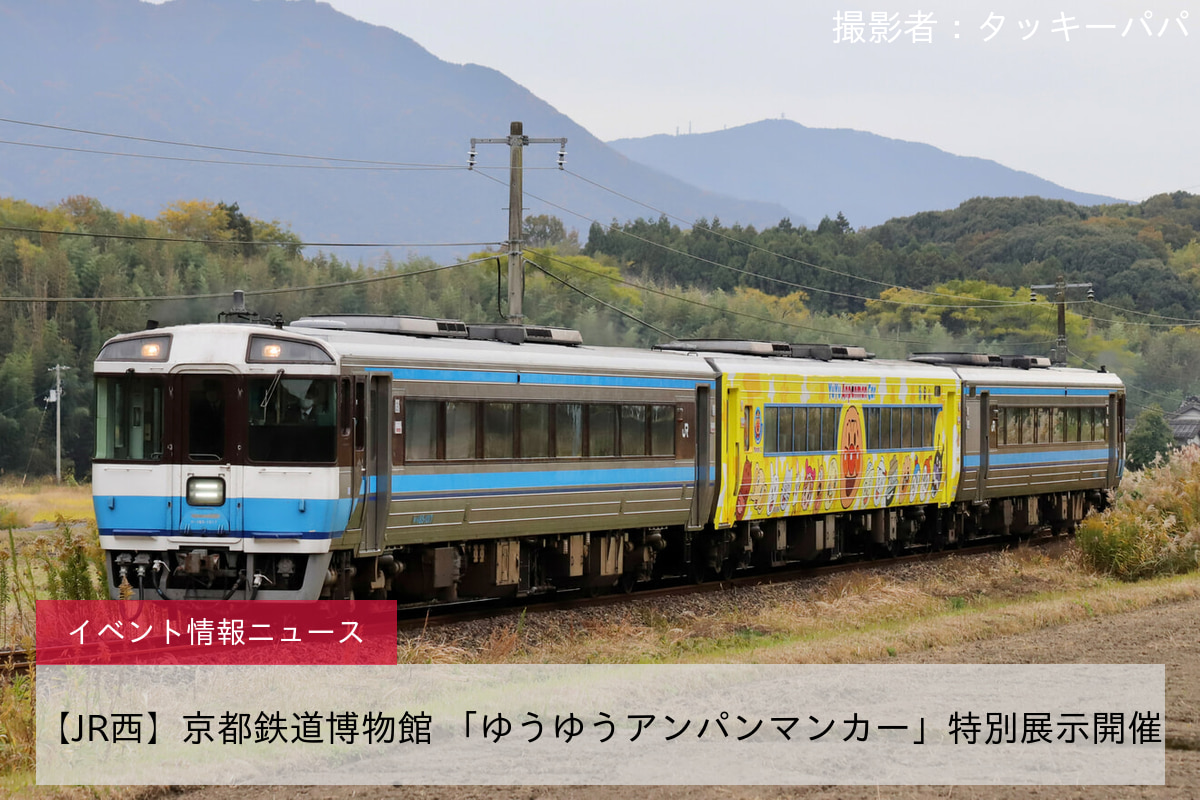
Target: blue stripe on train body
(537, 378)
(1092, 456)
(262, 517)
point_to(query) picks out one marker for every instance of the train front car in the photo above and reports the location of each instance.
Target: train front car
(216, 463)
(1042, 445)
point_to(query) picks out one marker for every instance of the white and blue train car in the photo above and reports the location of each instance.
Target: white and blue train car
(388, 455)
(1040, 444)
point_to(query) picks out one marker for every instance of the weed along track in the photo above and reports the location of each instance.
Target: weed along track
(756, 617)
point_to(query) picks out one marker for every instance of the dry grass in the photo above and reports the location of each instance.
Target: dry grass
(42, 502)
(854, 616)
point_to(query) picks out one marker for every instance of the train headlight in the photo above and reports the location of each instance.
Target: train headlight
(206, 491)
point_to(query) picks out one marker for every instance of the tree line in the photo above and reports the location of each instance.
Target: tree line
(935, 281)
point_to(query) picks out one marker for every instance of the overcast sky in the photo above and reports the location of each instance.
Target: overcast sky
(1113, 110)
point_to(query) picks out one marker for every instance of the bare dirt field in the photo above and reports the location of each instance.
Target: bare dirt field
(1165, 634)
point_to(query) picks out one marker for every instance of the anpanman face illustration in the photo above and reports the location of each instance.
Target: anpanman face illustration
(852, 454)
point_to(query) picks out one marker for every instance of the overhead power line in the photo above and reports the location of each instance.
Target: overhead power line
(982, 304)
(249, 292)
(801, 262)
(604, 303)
(731, 312)
(238, 242)
(276, 165)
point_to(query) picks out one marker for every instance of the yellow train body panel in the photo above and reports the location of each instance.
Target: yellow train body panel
(865, 461)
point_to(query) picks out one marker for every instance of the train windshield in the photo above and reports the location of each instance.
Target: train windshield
(129, 418)
(292, 420)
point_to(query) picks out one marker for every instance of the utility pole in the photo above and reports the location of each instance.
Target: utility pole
(516, 140)
(56, 398)
(1058, 357)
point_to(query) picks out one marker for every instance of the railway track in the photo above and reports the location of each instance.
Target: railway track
(18, 661)
(418, 618)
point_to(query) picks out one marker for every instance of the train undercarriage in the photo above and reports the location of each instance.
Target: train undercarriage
(623, 560)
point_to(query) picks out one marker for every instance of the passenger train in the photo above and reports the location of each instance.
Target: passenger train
(372, 456)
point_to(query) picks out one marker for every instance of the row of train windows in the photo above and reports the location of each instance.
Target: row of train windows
(1016, 426)
(815, 429)
(456, 430)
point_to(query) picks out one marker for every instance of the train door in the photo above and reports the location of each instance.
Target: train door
(702, 494)
(377, 464)
(985, 443)
(358, 454)
(209, 488)
(1116, 419)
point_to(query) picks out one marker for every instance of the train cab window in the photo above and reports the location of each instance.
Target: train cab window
(206, 403)
(568, 430)
(460, 430)
(535, 430)
(498, 430)
(633, 430)
(292, 420)
(420, 430)
(129, 418)
(602, 431)
(662, 430)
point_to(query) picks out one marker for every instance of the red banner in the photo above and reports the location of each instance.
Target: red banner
(206, 632)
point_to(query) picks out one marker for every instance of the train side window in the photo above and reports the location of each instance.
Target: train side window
(1089, 424)
(785, 429)
(1043, 425)
(1059, 424)
(568, 430)
(829, 429)
(633, 430)
(771, 430)
(906, 428)
(662, 431)
(799, 429)
(1000, 429)
(602, 431)
(885, 429)
(534, 419)
(1072, 415)
(460, 429)
(873, 428)
(814, 430)
(1102, 423)
(420, 430)
(498, 430)
(1012, 426)
(747, 427)
(930, 415)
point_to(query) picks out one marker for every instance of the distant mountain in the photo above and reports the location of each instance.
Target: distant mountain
(301, 78)
(817, 172)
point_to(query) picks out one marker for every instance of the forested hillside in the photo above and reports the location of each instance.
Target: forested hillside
(77, 273)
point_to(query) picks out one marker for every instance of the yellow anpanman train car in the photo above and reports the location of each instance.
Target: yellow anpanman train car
(805, 437)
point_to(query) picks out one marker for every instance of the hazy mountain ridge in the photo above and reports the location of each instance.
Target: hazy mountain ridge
(296, 77)
(817, 172)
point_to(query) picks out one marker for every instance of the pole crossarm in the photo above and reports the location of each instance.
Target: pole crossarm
(1058, 356)
(516, 141)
